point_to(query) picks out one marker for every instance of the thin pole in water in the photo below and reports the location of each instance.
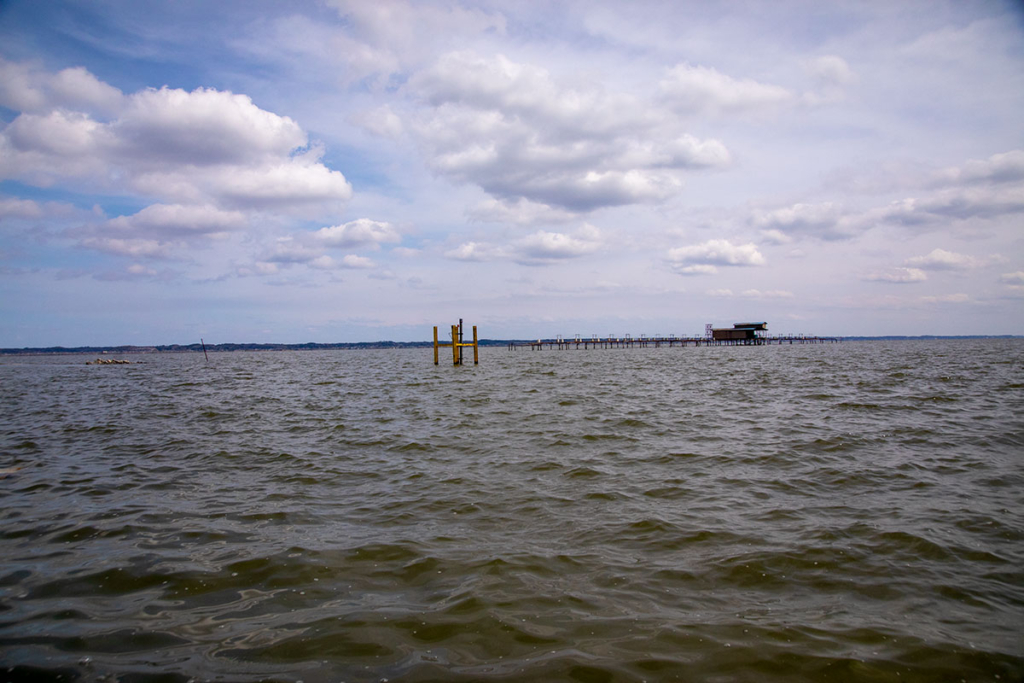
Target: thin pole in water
(204, 349)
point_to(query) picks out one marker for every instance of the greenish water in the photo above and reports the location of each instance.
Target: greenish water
(845, 512)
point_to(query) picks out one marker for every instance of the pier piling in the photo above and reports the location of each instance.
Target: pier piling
(457, 345)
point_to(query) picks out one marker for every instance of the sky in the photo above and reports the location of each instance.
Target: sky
(335, 171)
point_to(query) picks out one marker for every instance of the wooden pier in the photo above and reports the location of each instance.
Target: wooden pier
(643, 341)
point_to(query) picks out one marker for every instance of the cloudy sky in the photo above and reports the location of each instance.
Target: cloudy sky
(357, 171)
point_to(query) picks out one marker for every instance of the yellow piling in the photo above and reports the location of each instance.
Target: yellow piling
(457, 345)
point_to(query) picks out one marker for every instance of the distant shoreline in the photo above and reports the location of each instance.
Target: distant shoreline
(313, 346)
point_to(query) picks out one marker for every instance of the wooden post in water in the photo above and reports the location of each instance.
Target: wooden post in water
(457, 345)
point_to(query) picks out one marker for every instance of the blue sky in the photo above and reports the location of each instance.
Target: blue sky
(354, 171)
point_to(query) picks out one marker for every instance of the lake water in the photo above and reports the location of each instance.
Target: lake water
(838, 512)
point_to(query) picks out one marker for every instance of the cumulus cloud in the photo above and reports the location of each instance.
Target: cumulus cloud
(539, 248)
(1006, 167)
(751, 294)
(353, 261)
(1016, 278)
(176, 220)
(135, 248)
(693, 89)
(699, 269)
(898, 275)
(515, 131)
(26, 87)
(767, 294)
(977, 191)
(202, 127)
(358, 233)
(959, 298)
(290, 250)
(159, 230)
(940, 259)
(382, 38)
(954, 204)
(831, 70)
(700, 259)
(475, 251)
(773, 236)
(381, 121)
(518, 212)
(831, 75)
(310, 248)
(545, 247)
(825, 221)
(203, 146)
(11, 207)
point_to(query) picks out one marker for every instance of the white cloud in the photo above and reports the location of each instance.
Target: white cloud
(539, 248)
(774, 236)
(702, 89)
(290, 250)
(135, 248)
(954, 204)
(831, 70)
(297, 182)
(138, 269)
(204, 146)
(519, 212)
(308, 248)
(19, 208)
(831, 75)
(699, 258)
(958, 298)
(520, 135)
(201, 128)
(353, 261)
(983, 191)
(545, 247)
(767, 294)
(386, 36)
(358, 233)
(826, 221)
(751, 294)
(159, 230)
(898, 275)
(475, 251)
(702, 269)
(380, 121)
(175, 221)
(26, 87)
(940, 259)
(1013, 278)
(324, 262)
(1006, 167)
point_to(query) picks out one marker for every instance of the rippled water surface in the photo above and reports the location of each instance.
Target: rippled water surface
(844, 512)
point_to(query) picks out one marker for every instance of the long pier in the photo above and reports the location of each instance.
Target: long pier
(628, 342)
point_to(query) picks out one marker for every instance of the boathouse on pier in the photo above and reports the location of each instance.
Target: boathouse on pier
(741, 333)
